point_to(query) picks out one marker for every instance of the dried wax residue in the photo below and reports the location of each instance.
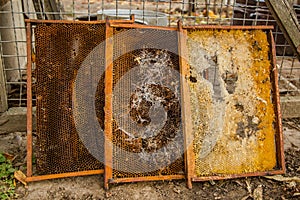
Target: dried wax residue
(232, 110)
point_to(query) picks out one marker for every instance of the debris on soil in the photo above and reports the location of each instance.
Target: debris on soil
(283, 179)
(3, 121)
(20, 176)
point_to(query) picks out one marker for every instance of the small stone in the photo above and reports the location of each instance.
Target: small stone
(258, 193)
(292, 184)
(108, 194)
(176, 190)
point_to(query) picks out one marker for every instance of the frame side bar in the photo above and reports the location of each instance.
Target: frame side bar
(230, 27)
(232, 176)
(140, 26)
(185, 105)
(29, 99)
(279, 133)
(108, 149)
(64, 175)
(37, 21)
(147, 178)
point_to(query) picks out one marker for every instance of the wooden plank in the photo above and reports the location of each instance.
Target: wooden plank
(185, 106)
(108, 148)
(286, 18)
(3, 95)
(45, 7)
(51, 6)
(38, 8)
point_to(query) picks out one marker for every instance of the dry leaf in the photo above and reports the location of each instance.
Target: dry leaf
(248, 186)
(245, 197)
(296, 194)
(258, 193)
(20, 177)
(3, 121)
(176, 190)
(9, 156)
(283, 179)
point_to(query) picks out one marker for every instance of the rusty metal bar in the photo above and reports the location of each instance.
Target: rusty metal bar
(64, 175)
(29, 100)
(108, 105)
(274, 75)
(147, 178)
(231, 176)
(229, 27)
(37, 21)
(185, 105)
(141, 26)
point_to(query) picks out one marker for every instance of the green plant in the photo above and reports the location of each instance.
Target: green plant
(7, 186)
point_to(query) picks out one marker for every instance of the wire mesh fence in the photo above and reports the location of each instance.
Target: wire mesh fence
(151, 12)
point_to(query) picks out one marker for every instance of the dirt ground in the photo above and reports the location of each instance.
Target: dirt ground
(13, 141)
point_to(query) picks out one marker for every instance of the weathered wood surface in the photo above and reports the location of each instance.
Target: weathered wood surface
(286, 18)
(49, 7)
(3, 97)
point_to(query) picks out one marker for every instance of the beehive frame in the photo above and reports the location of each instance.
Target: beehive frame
(30, 60)
(114, 72)
(272, 75)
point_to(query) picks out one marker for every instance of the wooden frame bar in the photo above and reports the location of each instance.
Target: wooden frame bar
(185, 105)
(29, 99)
(276, 97)
(64, 175)
(207, 178)
(147, 178)
(38, 21)
(108, 149)
(141, 26)
(229, 27)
